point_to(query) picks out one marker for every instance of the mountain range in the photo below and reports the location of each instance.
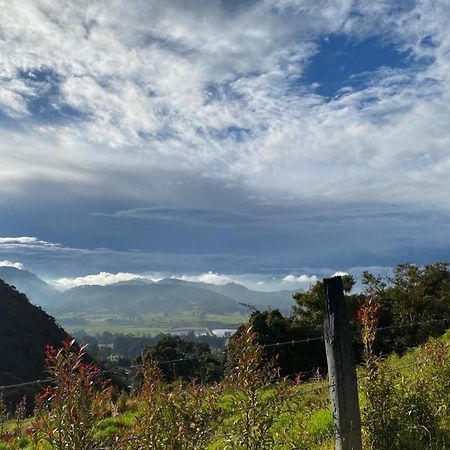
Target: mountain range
(144, 296)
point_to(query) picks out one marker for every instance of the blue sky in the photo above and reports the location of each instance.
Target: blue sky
(269, 141)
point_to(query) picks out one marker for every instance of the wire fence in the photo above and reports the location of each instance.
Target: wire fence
(271, 345)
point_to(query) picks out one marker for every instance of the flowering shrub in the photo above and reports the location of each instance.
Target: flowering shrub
(257, 400)
(178, 417)
(68, 410)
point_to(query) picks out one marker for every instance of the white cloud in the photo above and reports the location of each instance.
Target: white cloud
(339, 274)
(208, 277)
(311, 279)
(154, 86)
(7, 263)
(151, 85)
(101, 279)
(24, 241)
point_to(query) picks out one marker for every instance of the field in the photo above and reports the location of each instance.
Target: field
(147, 324)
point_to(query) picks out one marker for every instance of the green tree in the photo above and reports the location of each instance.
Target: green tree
(310, 309)
(415, 301)
(189, 359)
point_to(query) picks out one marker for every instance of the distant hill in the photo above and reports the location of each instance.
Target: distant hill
(40, 293)
(25, 330)
(142, 298)
(170, 296)
(281, 300)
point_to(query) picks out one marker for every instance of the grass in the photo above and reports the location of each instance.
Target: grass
(304, 421)
(148, 324)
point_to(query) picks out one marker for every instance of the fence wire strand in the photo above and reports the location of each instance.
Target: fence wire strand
(273, 345)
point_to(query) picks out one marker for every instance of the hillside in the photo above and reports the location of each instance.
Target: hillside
(40, 293)
(281, 300)
(136, 298)
(25, 330)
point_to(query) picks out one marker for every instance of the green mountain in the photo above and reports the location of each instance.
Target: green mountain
(136, 298)
(25, 330)
(281, 300)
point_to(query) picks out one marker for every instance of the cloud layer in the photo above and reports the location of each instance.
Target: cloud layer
(100, 279)
(217, 87)
(224, 136)
(6, 263)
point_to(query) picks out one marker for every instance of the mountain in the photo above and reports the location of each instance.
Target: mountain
(136, 298)
(141, 296)
(281, 300)
(37, 290)
(25, 330)
(170, 295)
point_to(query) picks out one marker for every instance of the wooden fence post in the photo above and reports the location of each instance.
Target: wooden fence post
(341, 368)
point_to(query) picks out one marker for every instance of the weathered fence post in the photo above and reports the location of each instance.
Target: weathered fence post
(341, 368)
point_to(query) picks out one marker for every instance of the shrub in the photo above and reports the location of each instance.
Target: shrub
(257, 399)
(404, 409)
(179, 416)
(68, 410)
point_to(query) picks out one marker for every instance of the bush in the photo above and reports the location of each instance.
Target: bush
(179, 416)
(68, 411)
(404, 408)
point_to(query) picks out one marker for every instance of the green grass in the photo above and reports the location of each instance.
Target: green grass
(149, 324)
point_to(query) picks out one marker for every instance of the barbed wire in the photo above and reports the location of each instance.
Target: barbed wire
(271, 345)
(412, 324)
(293, 342)
(26, 383)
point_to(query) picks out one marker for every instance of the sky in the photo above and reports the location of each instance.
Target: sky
(269, 142)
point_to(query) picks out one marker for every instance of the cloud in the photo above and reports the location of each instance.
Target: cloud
(311, 279)
(339, 274)
(202, 113)
(25, 241)
(208, 277)
(101, 279)
(196, 216)
(7, 263)
(148, 86)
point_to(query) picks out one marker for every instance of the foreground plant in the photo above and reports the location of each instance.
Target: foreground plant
(404, 408)
(181, 416)
(257, 400)
(68, 410)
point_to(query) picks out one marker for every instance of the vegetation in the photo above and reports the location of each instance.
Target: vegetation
(414, 304)
(190, 359)
(263, 400)
(25, 330)
(403, 407)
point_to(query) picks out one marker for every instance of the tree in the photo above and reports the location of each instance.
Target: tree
(310, 309)
(415, 300)
(181, 358)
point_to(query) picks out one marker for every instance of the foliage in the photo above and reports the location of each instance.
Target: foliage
(412, 295)
(310, 309)
(404, 409)
(256, 407)
(25, 329)
(68, 410)
(404, 399)
(271, 327)
(193, 359)
(414, 300)
(178, 417)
